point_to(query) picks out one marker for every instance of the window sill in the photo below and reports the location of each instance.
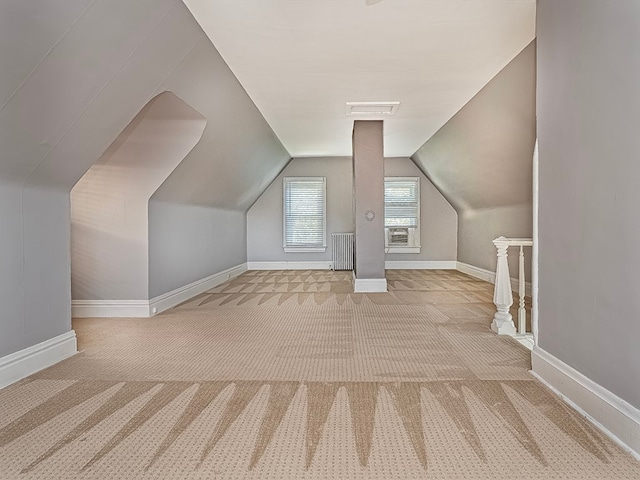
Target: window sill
(304, 249)
(402, 250)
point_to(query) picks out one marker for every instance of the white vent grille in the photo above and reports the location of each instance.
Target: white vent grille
(342, 247)
(372, 108)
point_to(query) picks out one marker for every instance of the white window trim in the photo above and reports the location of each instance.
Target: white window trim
(416, 248)
(303, 248)
(401, 249)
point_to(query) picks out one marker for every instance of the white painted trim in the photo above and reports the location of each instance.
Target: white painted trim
(369, 285)
(476, 272)
(525, 339)
(613, 415)
(305, 249)
(149, 308)
(513, 242)
(175, 297)
(110, 308)
(420, 265)
(405, 249)
(21, 364)
(322, 265)
(527, 286)
(489, 276)
(534, 250)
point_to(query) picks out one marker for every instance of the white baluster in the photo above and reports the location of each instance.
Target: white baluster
(522, 313)
(502, 297)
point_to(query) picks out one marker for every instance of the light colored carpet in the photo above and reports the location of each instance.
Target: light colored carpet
(290, 375)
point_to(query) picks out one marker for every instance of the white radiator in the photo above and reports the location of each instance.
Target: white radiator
(342, 245)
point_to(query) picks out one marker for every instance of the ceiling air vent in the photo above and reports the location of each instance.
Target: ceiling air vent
(372, 108)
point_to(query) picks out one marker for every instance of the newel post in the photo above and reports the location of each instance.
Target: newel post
(502, 297)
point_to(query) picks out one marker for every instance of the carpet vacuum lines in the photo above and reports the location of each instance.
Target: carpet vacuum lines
(463, 404)
(291, 375)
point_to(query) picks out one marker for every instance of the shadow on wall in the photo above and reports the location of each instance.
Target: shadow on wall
(109, 204)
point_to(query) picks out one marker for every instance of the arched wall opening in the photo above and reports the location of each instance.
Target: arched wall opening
(110, 208)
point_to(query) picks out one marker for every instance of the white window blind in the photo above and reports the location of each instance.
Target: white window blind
(304, 214)
(401, 202)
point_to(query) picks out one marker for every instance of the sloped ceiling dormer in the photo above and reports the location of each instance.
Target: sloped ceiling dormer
(481, 161)
(70, 84)
(481, 158)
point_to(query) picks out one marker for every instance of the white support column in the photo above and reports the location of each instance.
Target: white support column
(522, 313)
(502, 297)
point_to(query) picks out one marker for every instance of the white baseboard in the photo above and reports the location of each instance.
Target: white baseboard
(614, 416)
(110, 308)
(322, 265)
(326, 265)
(149, 308)
(182, 294)
(476, 272)
(369, 285)
(420, 265)
(489, 276)
(21, 364)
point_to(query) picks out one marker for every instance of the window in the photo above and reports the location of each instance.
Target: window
(304, 214)
(402, 214)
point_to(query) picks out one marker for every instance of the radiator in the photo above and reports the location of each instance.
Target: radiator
(342, 245)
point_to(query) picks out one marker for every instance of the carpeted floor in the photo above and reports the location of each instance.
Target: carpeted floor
(290, 375)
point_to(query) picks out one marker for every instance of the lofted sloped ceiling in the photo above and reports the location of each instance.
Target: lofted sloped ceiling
(301, 61)
(75, 73)
(481, 158)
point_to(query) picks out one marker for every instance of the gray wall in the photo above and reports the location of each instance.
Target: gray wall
(478, 228)
(438, 219)
(35, 291)
(238, 155)
(264, 219)
(42, 212)
(12, 323)
(481, 160)
(190, 242)
(68, 87)
(589, 229)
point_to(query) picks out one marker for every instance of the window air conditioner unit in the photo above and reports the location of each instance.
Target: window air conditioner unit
(397, 236)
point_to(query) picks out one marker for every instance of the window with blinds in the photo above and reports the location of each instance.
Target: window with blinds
(304, 222)
(402, 214)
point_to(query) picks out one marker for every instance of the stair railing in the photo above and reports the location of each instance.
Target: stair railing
(502, 294)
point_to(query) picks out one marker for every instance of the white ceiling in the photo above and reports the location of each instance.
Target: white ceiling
(300, 61)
